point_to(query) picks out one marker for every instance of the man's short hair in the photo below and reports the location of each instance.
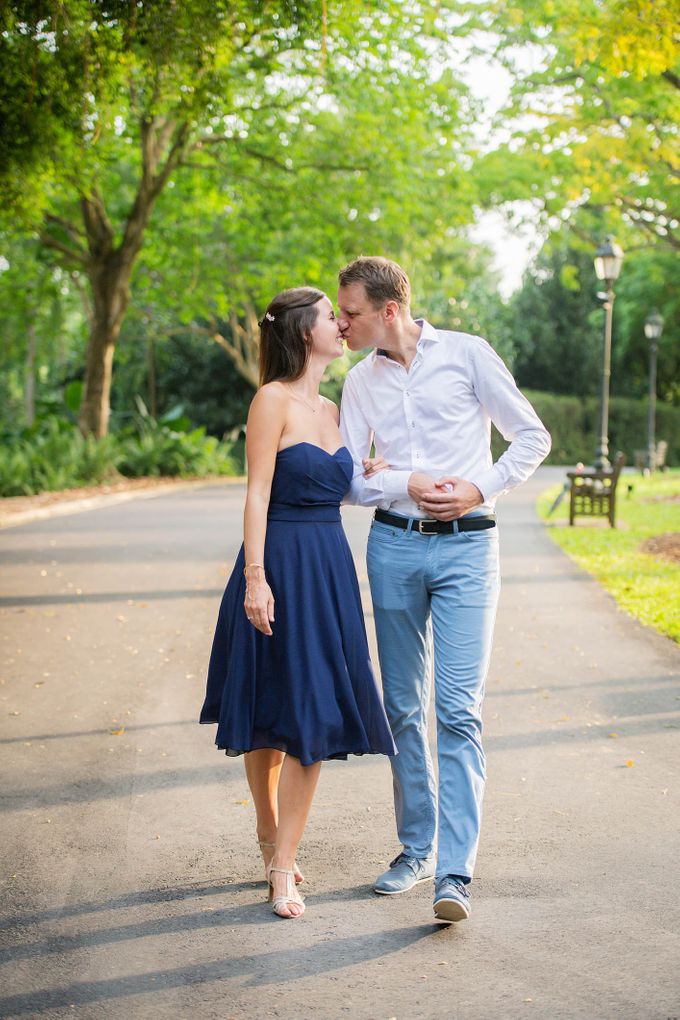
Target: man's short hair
(383, 280)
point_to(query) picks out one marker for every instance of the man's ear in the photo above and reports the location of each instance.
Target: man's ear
(391, 311)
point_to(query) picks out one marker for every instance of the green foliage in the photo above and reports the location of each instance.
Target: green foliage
(192, 370)
(171, 447)
(556, 329)
(645, 586)
(573, 423)
(53, 454)
(556, 322)
(593, 126)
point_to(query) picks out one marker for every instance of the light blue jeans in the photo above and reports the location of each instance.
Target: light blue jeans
(445, 588)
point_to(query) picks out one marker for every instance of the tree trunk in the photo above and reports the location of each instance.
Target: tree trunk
(109, 266)
(151, 375)
(110, 291)
(29, 388)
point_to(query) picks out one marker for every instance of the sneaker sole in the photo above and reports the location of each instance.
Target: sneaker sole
(398, 892)
(450, 910)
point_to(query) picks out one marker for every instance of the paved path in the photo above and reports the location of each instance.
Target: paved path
(130, 880)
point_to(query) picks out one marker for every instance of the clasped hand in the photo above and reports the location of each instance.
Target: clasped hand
(445, 499)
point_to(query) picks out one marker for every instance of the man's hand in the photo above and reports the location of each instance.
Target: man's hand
(450, 498)
(374, 464)
(419, 484)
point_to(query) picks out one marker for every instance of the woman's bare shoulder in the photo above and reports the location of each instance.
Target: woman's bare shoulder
(332, 407)
(272, 395)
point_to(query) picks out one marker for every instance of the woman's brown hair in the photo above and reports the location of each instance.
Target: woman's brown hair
(284, 333)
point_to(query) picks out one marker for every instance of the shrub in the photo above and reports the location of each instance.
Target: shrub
(573, 423)
(53, 454)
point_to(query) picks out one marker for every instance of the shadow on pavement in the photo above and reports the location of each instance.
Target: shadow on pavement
(72, 599)
(268, 968)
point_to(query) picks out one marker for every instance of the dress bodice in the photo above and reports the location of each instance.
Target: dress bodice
(309, 483)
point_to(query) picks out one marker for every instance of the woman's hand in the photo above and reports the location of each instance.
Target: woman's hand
(374, 464)
(259, 603)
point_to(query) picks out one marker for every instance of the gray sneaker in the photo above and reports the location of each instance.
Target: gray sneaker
(403, 873)
(451, 900)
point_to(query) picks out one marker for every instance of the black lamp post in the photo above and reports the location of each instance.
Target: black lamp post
(653, 331)
(608, 259)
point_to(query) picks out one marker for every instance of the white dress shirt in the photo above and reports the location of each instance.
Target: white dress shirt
(436, 418)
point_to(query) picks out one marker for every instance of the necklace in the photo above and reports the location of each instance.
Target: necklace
(304, 400)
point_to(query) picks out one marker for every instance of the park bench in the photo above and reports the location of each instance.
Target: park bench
(660, 451)
(593, 493)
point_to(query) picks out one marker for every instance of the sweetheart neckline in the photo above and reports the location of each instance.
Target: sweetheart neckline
(314, 445)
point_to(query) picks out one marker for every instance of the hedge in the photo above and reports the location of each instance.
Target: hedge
(573, 424)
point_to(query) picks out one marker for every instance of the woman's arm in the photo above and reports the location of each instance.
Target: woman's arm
(266, 421)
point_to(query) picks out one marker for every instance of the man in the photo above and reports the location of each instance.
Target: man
(426, 398)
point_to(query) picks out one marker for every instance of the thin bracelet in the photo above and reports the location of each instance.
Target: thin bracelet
(249, 565)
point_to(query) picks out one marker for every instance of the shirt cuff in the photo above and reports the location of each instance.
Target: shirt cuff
(395, 484)
(489, 483)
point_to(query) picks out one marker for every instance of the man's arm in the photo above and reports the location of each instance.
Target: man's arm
(516, 420)
(382, 488)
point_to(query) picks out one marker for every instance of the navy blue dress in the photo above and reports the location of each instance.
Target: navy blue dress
(309, 689)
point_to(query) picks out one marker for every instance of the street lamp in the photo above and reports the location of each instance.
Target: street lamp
(608, 259)
(653, 331)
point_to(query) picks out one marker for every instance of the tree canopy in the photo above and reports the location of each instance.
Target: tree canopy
(169, 167)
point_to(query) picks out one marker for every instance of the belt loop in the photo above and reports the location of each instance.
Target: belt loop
(409, 526)
(455, 528)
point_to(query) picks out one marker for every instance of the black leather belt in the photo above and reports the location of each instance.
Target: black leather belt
(427, 526)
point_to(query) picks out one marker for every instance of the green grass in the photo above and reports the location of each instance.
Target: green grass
(645, 586)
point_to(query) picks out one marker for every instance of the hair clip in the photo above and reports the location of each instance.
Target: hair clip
(269, 316)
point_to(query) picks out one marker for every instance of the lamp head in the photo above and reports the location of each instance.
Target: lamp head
(653, 325)
(608, 259)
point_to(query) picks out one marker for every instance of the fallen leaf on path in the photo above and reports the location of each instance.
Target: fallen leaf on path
(117, 733)
(241, 802)
(613, 736)
(630, 763)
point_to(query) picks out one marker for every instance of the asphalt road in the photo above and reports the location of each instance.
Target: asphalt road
(131, 883)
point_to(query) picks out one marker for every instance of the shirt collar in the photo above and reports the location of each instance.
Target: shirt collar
(427, 332)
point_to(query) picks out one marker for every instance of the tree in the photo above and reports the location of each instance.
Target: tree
(594, 127)
(42, 326)
(104, 103)
(556, 323)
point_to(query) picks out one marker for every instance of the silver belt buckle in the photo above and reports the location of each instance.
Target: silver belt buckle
(421, 529)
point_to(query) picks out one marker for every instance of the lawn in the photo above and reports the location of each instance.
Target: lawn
(646, 586)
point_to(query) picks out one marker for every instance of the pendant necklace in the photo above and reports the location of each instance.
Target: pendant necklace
(304, 400)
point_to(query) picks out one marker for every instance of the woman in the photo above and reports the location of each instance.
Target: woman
(290, 681)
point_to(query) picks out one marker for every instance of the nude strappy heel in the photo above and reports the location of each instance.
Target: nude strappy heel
(299, 877)
(292, 896)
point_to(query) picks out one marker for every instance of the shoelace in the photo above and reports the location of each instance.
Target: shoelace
(411, 861)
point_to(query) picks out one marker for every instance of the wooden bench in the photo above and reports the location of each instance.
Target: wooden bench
(642, 458)
(593, 493)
